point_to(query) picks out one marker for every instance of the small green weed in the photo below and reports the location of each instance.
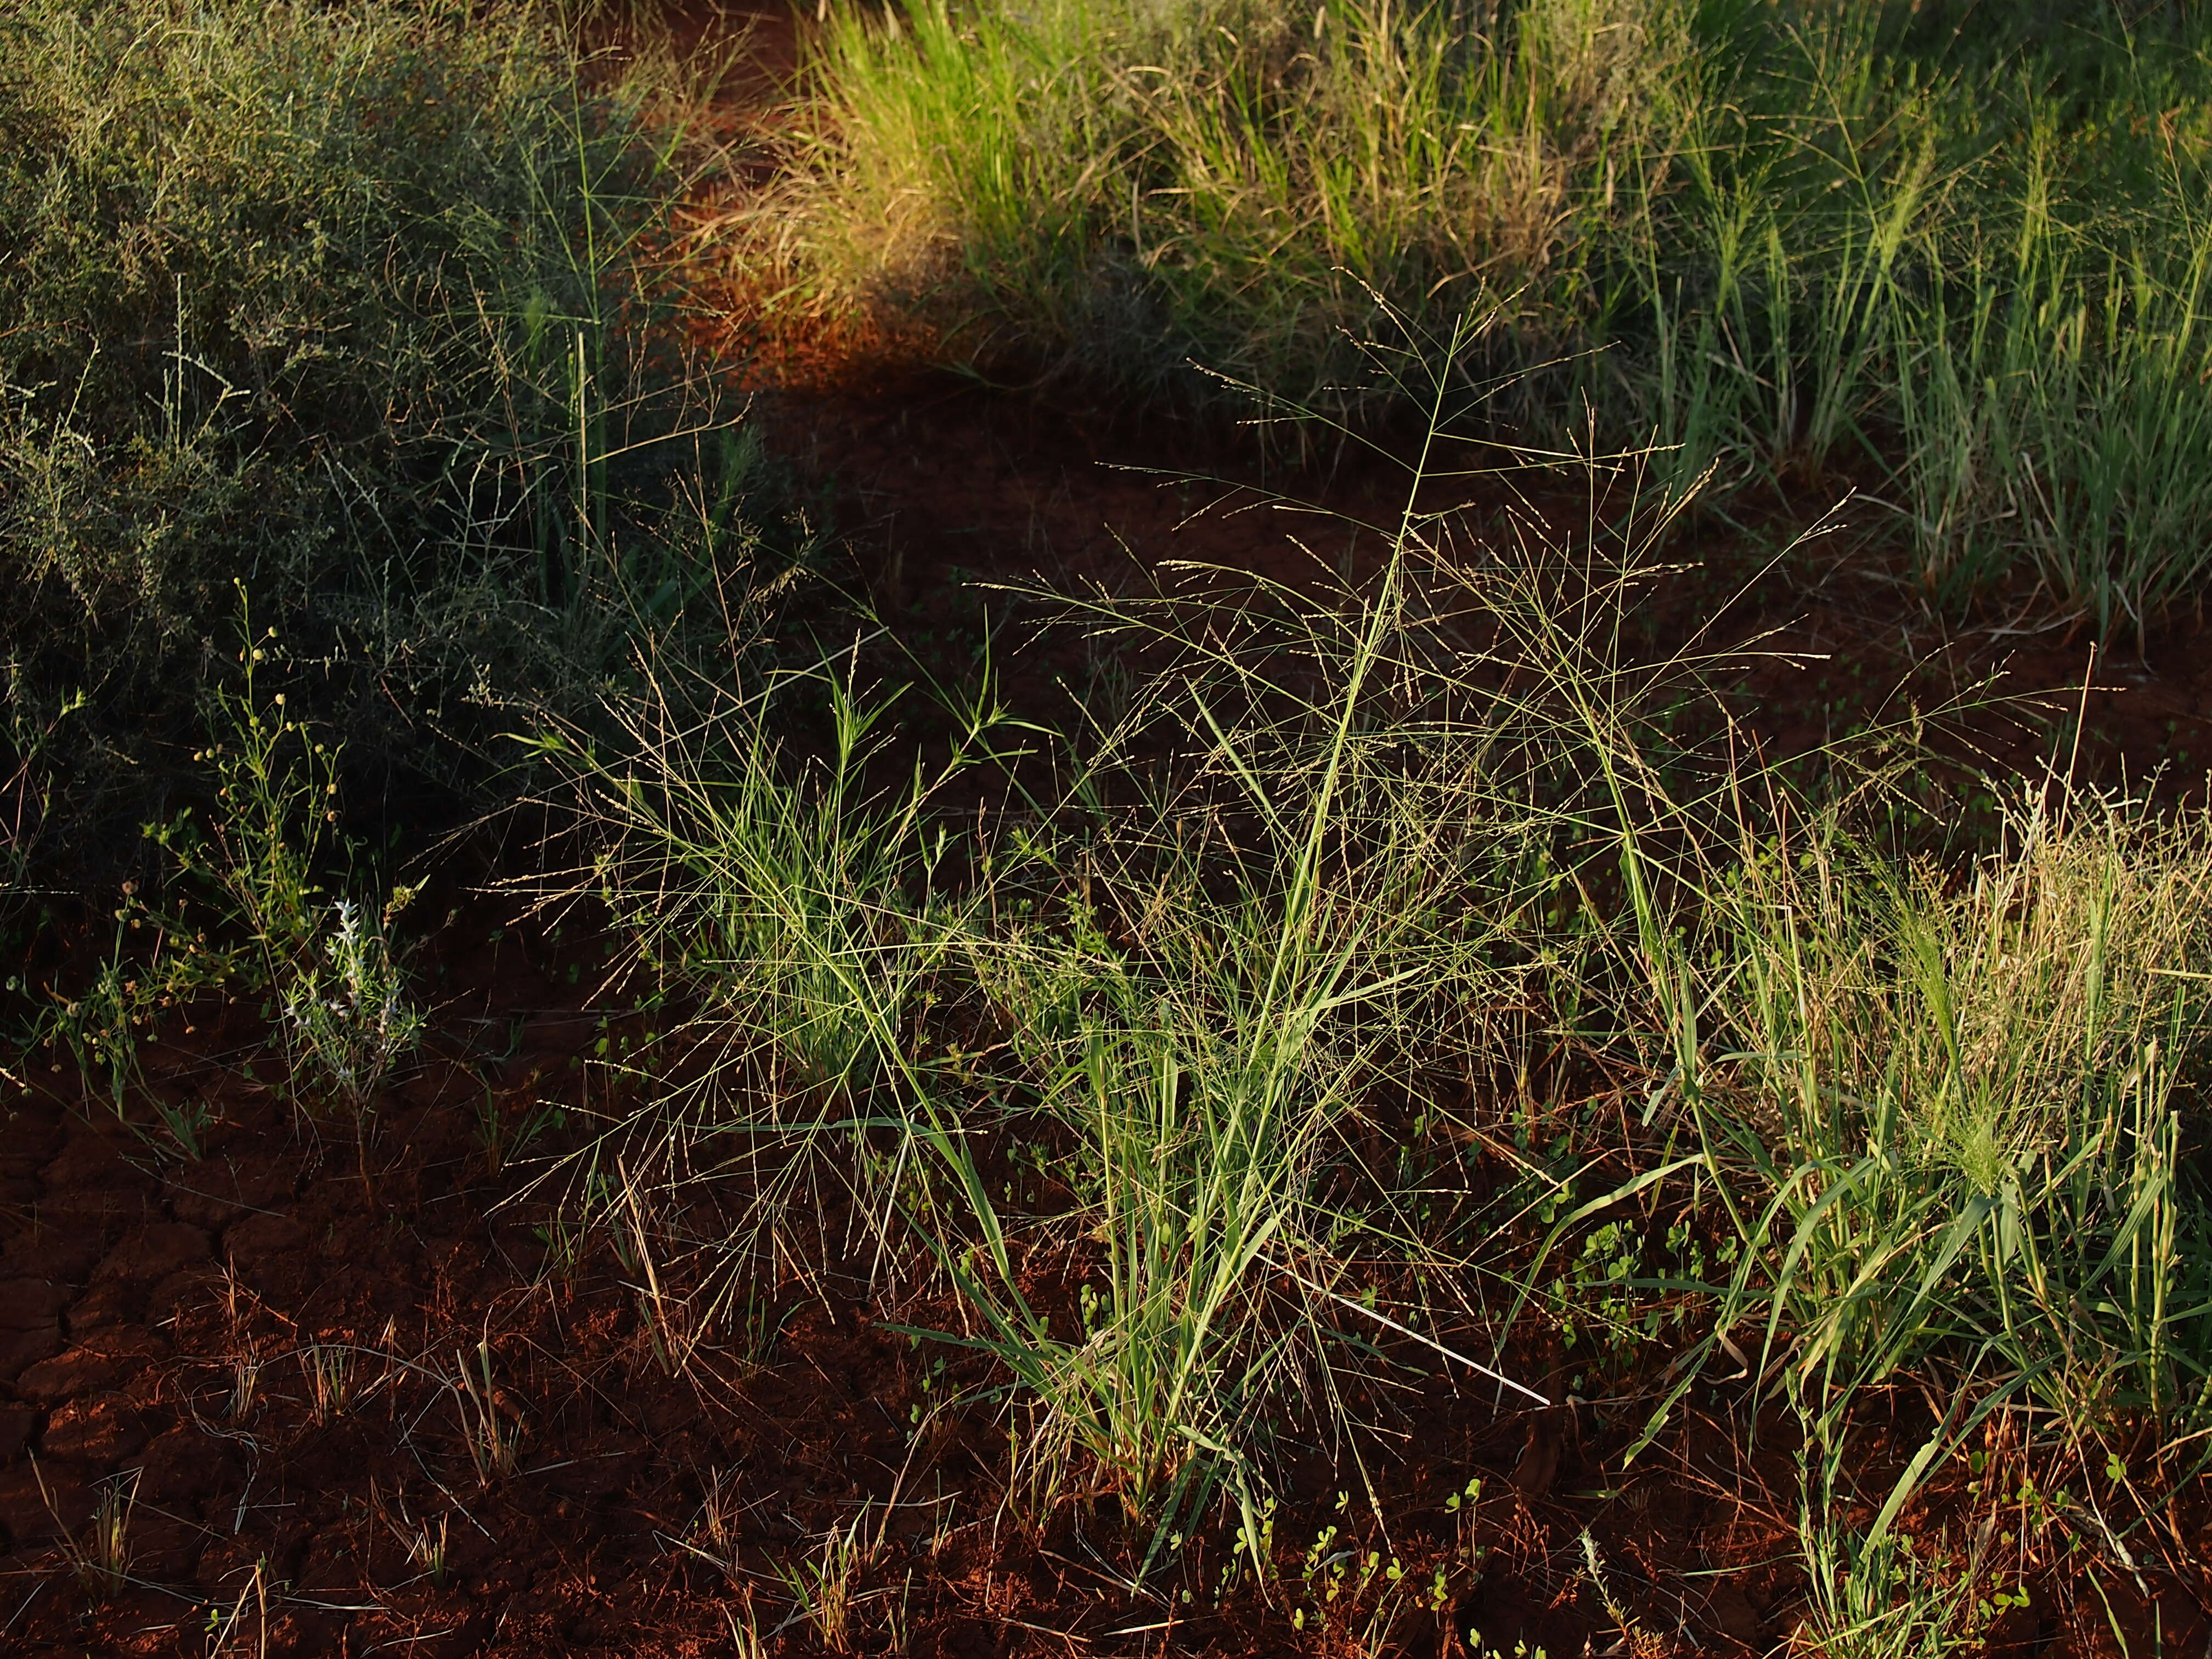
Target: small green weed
(824, 1586)
(101, 1557)
(491, 1423)
(349, 1023)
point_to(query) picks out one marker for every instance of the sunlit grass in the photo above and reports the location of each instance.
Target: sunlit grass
(1957, 260)
(1275, 1037)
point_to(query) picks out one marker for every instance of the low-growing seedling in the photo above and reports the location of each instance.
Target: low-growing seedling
(348, 1019)
(563, 1240)
(824, 1586)
(222, 1627)
(425, 1545)
(1520, 1649)
(1460, 1506)
(1600, 1297)
(503, 1134)
(491, 1424)
(245, 1383)
(426, 1549)
(328, 1368)
(102, 1556)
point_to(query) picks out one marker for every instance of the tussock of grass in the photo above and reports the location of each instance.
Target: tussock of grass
(1111, 192)
(1180, 1081)
(1975, 1106)
(1199, 995)
(1956, 257)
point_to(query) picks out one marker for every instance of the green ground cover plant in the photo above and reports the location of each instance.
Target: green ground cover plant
(341, 431)
(337, 424)
(1955, 253)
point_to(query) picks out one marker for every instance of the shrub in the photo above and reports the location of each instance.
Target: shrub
(332, 301)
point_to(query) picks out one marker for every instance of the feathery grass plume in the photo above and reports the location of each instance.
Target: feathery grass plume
(1224, 984)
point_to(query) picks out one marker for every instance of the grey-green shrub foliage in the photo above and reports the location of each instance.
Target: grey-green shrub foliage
(309, 297)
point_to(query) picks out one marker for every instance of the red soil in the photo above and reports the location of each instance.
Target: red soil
(651, 1509)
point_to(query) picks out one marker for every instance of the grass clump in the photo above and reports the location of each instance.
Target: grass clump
(1111, 194)
(1144, 1037)
(1954, 259)
(1973, 1106)
(1205, 1072)
(1188, 1039)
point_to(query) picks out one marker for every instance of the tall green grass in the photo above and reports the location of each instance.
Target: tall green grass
(1110, 193)
(1975, 1110)
(1977, 276)
(1952, 256)
(1162, 1037)
(1967, 1116)
(1180, 1016)
(1175, 1077)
